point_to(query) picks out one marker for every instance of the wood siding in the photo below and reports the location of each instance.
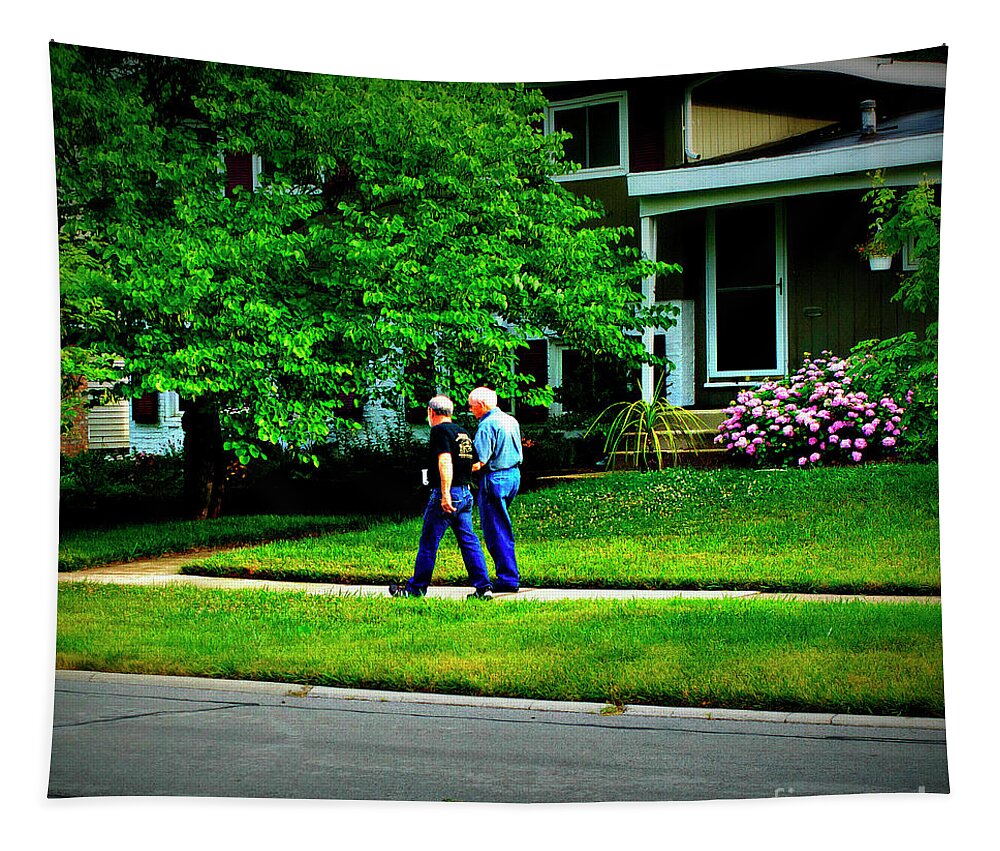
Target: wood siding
(109, 426)
(835, 300)
(721, 130)
(620, 210)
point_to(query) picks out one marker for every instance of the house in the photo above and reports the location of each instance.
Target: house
(751, 180)
(150, 424)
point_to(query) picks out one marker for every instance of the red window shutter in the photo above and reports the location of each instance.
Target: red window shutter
(239, 172)
(146, 409)
(646, 148)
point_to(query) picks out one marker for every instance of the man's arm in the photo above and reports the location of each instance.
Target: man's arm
(485, 443)
(447, 470)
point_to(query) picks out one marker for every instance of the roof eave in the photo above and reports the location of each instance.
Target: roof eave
(861, 157)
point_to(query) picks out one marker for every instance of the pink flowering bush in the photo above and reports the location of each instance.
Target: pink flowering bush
(812, 417)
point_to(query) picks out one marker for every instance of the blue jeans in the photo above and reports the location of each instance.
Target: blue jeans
(436, 522)
(496, 493)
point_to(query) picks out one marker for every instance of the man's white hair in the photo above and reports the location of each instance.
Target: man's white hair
(442, 406)
(485, 395)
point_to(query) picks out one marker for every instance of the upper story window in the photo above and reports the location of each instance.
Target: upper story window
(600, 133)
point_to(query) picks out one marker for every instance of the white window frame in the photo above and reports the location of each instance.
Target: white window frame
(781, 302)
(910, 263)
(619, 98)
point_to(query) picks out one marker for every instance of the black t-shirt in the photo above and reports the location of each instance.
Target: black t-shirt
(452, 438)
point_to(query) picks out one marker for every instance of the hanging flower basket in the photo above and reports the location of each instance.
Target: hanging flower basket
(877, 252)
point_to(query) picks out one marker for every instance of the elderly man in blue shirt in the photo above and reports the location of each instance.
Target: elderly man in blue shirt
(498, 444)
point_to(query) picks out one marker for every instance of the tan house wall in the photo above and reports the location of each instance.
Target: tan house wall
(109, 425)
(721, 130)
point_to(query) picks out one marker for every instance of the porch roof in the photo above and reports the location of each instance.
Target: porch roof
(907, 147)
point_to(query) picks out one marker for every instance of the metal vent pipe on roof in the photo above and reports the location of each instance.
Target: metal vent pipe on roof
(868, 126)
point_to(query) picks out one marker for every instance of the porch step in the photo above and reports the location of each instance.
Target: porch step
(699, 457)
(711, 418)
(693, 444)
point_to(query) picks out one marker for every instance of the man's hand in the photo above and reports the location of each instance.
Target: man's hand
(446, 470)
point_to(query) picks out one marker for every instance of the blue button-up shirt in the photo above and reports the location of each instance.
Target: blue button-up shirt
(498, 441)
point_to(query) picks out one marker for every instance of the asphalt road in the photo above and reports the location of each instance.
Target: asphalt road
(127, 738)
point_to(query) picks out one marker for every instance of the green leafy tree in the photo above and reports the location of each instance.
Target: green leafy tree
(82, 318)
(906, 366)
(395, 223)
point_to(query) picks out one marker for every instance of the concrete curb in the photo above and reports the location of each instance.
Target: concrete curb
(330, 693)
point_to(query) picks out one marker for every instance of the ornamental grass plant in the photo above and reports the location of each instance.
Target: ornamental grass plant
(645, 435)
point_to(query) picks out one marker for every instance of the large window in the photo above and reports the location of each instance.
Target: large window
(599, 131)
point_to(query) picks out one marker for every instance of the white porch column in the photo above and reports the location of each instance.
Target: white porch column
(555, 375)
(647, 231)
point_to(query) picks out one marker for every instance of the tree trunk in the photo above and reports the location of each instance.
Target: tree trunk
(204, 462)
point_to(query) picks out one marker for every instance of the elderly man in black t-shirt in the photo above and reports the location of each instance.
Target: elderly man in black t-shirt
(452, 454)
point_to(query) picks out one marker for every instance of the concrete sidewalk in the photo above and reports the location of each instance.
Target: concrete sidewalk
(167, 571)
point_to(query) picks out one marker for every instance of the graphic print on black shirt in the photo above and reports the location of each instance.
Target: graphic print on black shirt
(451, 438)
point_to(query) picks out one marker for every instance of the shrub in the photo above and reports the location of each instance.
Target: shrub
(120, 485)
(881, 367)
(816, 416)
(907, 363)
(374, 449)
(559, 443)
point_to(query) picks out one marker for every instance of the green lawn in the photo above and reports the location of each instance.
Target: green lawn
(80, 548)
(752, 654)
(870, 529)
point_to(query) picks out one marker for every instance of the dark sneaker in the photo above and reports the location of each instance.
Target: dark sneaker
(481, 594)
(399, 589)
(504, 589)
